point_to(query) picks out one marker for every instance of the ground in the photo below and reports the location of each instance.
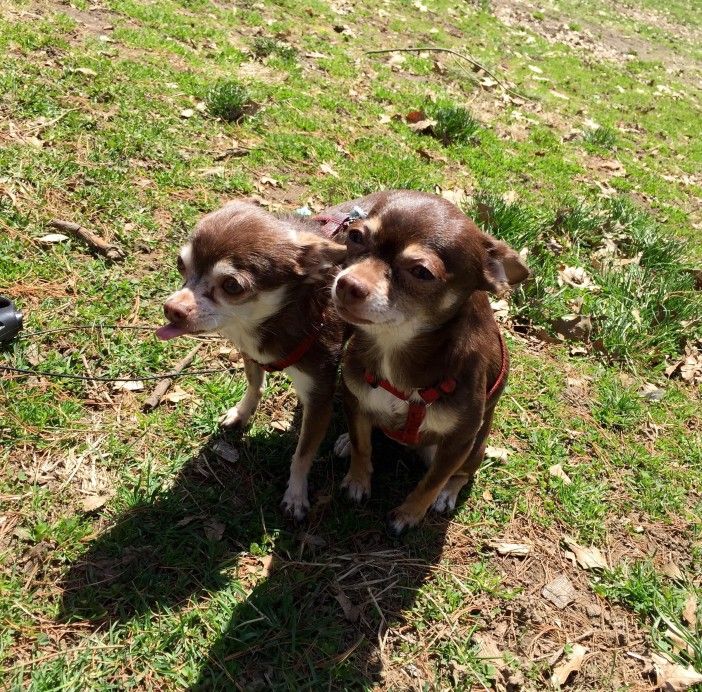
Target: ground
(147, 550)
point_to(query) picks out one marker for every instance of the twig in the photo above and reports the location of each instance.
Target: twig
(162, 387)
(93, 241)
(467, 58)
(234, 152)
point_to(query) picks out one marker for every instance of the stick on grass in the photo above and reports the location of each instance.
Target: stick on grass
(162, 387)
(93, 241)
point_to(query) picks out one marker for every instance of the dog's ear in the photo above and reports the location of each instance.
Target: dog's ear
(318, 254)
(502, 267)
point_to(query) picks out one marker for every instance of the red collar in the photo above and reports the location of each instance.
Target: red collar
(296, 354)
(417, 411)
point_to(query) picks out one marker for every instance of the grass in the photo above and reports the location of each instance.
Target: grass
(228, 100)
(187, 576)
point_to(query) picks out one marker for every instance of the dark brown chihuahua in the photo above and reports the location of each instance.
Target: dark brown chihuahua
(426, 362)
(263, 282)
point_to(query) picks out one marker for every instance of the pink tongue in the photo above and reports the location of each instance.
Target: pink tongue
(169, 331)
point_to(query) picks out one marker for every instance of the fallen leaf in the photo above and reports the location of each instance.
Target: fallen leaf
(266, 564)
(488, 82)
(510, 197)
(176, 394)
(559, 95)
(281, 425)
(560, 591)
(385, 119)
(689, 612)
(571, 665)
(226, 451)
(422, 125)
(214, 530)
(430, 155)
(498, 453)
(456, 196)
(504, 548)
(312, 540)
(327, 169)
(487, 646)
(535, 69)
(588, 558)
(267, 180)
(670, 569)
(51, 238)
(213, 171)
(396, 60)
(315, 54)
(351, 612)
(576, 277)
(187, 520)
(129, 386)
(187, 113)
(500, 308)
(650, 392)
(84, 70)
(93, 502)
(557, 472)
(673, 677)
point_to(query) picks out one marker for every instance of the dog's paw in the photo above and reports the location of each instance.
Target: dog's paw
(342, 446)
(295, 504)
(446, 501)
(233, 418)
(357, 489)
(399, 520)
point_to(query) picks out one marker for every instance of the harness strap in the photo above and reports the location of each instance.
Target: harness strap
(295, 355)
(417, 410)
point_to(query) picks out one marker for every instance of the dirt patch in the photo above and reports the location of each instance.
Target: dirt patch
(598, 41)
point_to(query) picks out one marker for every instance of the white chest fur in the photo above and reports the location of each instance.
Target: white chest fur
(389, 411)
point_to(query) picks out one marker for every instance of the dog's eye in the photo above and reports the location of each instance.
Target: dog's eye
(232, 287)
(355, 236)
(419, 271)
(181, 265)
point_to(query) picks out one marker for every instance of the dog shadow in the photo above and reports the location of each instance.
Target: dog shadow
(312, 605)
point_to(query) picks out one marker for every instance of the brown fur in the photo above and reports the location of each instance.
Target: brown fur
(441, 327)
(287, 262)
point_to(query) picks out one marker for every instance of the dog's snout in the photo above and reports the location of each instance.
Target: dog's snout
(351, 289)
(176, 311)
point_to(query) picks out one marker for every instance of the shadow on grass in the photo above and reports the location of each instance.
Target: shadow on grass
(332, 587)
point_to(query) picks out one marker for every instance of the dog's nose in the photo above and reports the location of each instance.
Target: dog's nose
(351, 289)
(175, 312)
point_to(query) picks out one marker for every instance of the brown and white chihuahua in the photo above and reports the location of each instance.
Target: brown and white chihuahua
(263, 282)
(426, 361)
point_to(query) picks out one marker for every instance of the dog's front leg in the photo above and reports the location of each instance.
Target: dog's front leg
(242, 412)
(358, 480)
(451, 455)
(316, 415)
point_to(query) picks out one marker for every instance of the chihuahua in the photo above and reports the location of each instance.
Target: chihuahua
(426, 361)
(263, 282)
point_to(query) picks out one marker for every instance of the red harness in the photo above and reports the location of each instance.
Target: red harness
(295, 355)
(417, 412)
